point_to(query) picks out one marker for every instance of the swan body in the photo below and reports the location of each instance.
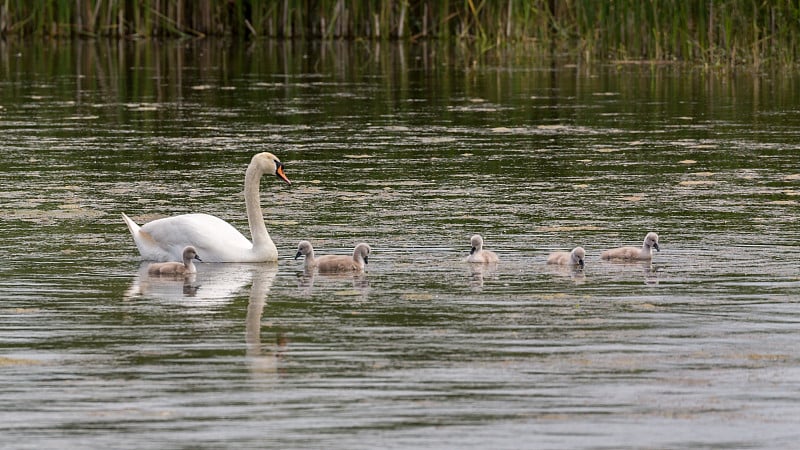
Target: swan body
(643, 253)
(334, 263)
(574, 258)
(217, 240)
(176, 268)
(477, 254)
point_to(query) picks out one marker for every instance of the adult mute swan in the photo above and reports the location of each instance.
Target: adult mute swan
(574, 258)
(334, 263)
(175, 268)
(217, 240)
(645, 253)
(477, 254)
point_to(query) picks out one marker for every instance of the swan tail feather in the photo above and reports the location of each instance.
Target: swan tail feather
(131, 224)
(151, 247)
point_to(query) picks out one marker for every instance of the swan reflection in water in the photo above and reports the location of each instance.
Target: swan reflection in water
(213, 287)
(651, 273)
(262, 358)
(649, 270)
(575, 274)
(477, 273)
(307, 279)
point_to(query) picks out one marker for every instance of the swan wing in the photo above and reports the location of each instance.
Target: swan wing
(558, 258)
(625, 253)
(216, 240)
(336, 263)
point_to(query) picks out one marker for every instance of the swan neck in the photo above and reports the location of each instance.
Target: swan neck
(309, 259)
(252, 199)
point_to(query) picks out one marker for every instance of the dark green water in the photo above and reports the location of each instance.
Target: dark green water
(413, 150)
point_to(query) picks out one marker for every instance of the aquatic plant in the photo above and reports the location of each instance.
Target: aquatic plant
(711, 32)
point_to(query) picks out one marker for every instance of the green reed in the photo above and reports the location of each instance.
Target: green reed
(713, 32)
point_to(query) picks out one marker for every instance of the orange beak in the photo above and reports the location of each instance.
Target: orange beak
(281, 175)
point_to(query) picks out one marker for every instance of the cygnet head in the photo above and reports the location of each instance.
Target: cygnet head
(304, 248)
(477, 243)
(651, 241)
(578, 254)
(266, 162)
(362, 250)
(189, 253)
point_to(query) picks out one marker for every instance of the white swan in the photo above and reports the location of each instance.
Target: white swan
(645, 253)
(215, 239)
(175, 268)
(574, 258)
(334, 263)
(477, 254)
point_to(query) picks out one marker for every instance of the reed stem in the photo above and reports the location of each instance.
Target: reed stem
(718, 32)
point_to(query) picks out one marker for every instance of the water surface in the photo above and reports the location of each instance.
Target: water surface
(412, 149)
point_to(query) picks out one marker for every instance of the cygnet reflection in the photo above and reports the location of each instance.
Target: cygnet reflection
(478, 273)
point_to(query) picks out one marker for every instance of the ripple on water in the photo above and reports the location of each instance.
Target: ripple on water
(698, 347)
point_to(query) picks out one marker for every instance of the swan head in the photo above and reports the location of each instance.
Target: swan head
(189, 253)
(266, 162)
(477, 243)
(362, 250)
(304, 248)
(651, 241)
(578, 255)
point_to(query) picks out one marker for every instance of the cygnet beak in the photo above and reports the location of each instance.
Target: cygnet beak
(298, 254)
(472, 250)
(655, 246)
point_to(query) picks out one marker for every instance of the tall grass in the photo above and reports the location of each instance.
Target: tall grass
(709, 31)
